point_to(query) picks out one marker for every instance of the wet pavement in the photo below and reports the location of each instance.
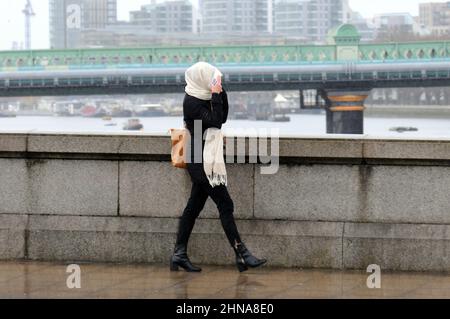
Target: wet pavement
(49, 280)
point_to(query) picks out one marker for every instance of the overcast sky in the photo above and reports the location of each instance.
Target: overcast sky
(12, 19)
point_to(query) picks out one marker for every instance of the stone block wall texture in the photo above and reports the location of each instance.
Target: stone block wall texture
(341, 203)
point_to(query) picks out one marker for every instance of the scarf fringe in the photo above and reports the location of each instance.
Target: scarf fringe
(213, 160)
(217, 180)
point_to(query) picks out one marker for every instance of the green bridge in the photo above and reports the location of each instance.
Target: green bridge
(344, 44)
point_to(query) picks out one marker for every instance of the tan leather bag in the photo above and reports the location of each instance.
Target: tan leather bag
(179, 139)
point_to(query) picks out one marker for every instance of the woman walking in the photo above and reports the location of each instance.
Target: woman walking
(207, 103)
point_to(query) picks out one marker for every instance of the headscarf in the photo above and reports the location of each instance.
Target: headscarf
(199, 78)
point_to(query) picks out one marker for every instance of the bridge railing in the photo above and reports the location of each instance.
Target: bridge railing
(218, 54)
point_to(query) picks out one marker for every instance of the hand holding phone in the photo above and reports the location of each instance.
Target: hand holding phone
(216, 85)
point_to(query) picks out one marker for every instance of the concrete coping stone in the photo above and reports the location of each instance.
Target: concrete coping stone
(323, 147)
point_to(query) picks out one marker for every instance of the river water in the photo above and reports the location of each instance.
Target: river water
(300, 125)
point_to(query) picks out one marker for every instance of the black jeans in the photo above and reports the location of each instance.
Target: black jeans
(199, 194)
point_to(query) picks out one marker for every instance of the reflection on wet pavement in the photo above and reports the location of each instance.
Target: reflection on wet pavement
(48, 280)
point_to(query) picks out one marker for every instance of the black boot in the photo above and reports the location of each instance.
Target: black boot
(245, 259)
(181, 259)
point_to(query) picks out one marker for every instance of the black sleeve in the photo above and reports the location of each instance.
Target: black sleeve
(225, 106)
(210, 117)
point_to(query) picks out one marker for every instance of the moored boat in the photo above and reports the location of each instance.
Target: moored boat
(402, 129)
(133, 125)
(92, 111)
(282, 118)
(150, 110)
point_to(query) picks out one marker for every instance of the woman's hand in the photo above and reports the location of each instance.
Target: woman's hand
(217, 88)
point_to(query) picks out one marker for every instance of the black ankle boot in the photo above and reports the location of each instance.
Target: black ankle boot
(181, 259)
(245, 259)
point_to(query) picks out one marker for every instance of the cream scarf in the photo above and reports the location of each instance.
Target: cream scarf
(213, 160)
(199, 78)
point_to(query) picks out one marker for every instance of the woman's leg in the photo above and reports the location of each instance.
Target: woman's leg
(193, 209)
(244, 257)
(225, 205)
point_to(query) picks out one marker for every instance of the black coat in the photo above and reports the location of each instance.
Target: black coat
(213, 114)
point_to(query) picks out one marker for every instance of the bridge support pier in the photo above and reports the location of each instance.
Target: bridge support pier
(345, 111)
(302, 100)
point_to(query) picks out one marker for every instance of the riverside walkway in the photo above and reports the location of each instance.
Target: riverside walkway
(48, 280)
